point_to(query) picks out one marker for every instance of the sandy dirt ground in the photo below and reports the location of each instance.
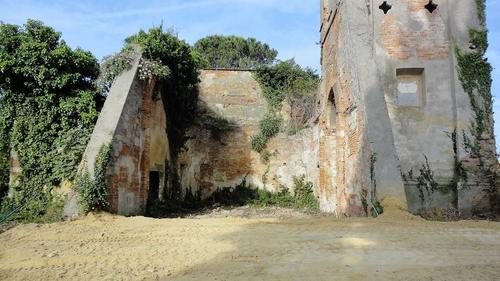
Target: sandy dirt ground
(105, 247)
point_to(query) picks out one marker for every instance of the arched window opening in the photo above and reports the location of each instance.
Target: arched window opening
(331, 121)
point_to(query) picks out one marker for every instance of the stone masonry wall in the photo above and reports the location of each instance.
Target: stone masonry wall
(209, 163)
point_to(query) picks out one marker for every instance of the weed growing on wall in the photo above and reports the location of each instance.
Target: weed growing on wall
(459, 173)
(375, 207)
(481, 11)
(285, 81)
(426, 184)
(269, 127)
(93, 190)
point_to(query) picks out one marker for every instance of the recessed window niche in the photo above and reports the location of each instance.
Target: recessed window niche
(410, 88)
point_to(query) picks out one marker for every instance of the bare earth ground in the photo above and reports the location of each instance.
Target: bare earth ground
(216, 247)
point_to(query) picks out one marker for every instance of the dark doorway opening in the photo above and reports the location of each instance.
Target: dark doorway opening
(154, 189)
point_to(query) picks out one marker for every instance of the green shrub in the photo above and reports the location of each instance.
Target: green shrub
(42, 207)
(285, 80)
(266, 155)
(258, 142)
(47, 89)
(270, 125)
(304, 194)
(302, 198)
(282, 81)
(93, 191)
(234, 52)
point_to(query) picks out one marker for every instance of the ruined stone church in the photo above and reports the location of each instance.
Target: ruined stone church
(392, 120)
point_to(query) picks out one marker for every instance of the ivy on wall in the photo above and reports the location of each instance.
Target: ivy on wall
(474, 72)
(48, 107)
(93, 190)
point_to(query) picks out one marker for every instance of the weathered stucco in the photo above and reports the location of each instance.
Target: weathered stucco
(209, 162)
(397, 73)
(133, 121)
(389, 102)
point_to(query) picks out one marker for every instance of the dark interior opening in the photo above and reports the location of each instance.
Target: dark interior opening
(154, 188)
(431, 7)
(332, 111)
(385, 7)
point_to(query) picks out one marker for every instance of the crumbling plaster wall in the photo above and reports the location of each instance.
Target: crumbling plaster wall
(363, 53)
(355, 122)
(208, 163)
(133, 121)
(409, 36)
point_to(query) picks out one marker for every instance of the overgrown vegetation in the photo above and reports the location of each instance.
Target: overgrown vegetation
(93, 189)
(285, 81)
(48, 107)
(234, 52)
(269, 127)
(474, 72)
(175, 67)
(302, 197)
(114, 65)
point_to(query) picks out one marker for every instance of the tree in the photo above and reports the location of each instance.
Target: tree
(234, 52)
(48, 107)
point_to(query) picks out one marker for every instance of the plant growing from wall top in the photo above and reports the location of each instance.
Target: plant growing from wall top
(284, 81)
(48, 105)
(175, 67)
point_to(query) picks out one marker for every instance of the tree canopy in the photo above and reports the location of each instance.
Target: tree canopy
(48, 107)
(179, 89)
(234, 52)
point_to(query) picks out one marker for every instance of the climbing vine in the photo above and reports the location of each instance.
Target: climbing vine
(93, 189)
(474, 72)
(459, 173)
(48, 107)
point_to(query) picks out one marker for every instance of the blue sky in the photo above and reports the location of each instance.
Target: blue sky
(290, 26)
